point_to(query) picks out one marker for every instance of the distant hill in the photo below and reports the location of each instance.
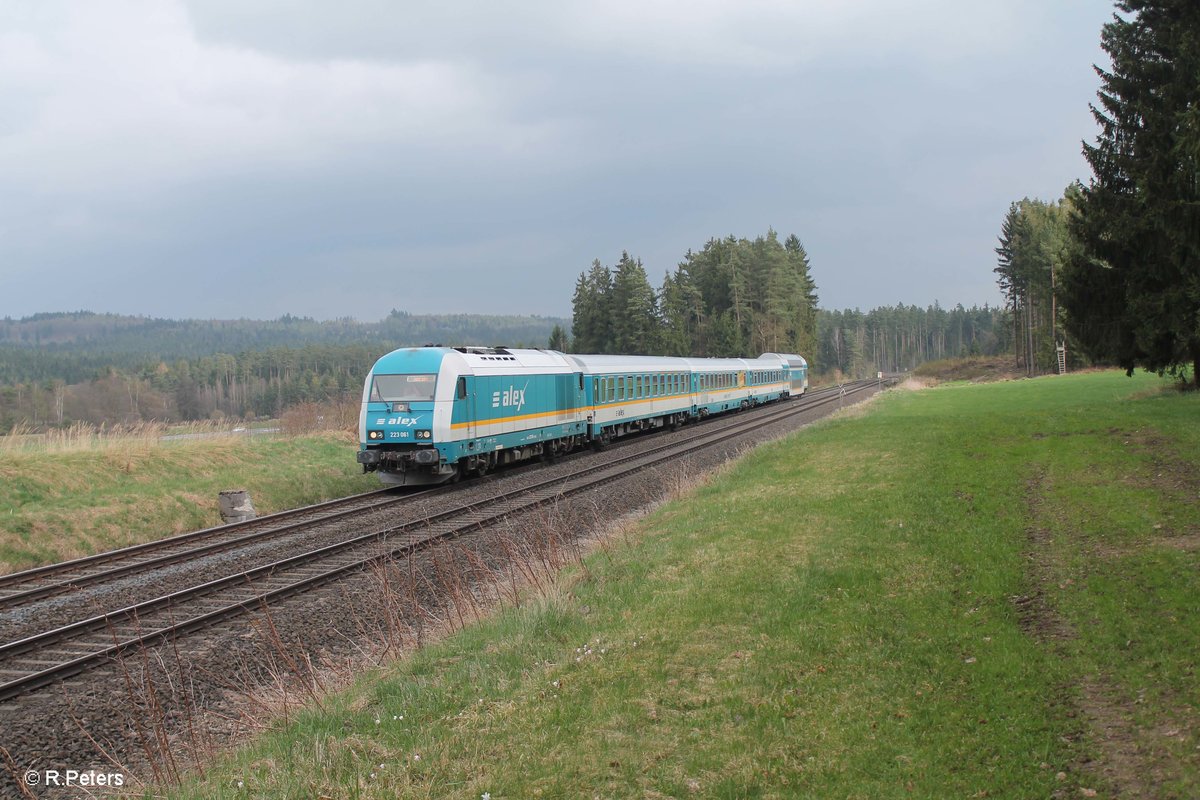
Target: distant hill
(85, 330)
(82, 345)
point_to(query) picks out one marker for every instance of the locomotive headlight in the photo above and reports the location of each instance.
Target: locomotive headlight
(374, 435)
(424, 434)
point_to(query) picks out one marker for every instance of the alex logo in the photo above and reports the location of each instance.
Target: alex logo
(510, 397)
(397, 421)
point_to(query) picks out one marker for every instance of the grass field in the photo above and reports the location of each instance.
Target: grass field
(86, 496)
(970, 591)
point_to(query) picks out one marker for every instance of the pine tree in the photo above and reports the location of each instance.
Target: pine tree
(634, 309)
(805, 330)
(591, 320)
(1133, 289)
(558, 339)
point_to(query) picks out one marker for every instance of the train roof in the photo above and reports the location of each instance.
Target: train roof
(610, 363)
(412, 360)
(790, 359)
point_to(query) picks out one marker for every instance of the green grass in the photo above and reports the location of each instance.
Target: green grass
(57, 505)
(834, 617)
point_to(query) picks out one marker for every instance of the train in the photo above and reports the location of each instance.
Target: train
(437, 414)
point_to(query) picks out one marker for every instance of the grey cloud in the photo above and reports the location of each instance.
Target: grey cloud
(311, 152)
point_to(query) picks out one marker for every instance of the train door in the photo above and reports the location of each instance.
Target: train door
(464, 408)
(580, 397)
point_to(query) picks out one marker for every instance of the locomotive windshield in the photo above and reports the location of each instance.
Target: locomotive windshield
(408, 388)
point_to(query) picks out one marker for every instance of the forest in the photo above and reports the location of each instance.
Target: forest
(56, 369)
(742, 297)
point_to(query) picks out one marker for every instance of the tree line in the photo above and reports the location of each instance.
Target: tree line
(854, 344)
(251, 384)
(1033, 256)
(1112, 270)
(82, 346)
(62, 368)
(735, 297)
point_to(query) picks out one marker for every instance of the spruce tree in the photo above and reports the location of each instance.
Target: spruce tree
(1133, 289)
(591, 306)
(634, 309)
(558, 339)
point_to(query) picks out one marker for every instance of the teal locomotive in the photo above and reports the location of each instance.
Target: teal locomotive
(435, 414)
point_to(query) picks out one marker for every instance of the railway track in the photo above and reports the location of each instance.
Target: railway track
(20, 588)
(45, 658)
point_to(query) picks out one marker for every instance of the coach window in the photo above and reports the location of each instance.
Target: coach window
(621, 388)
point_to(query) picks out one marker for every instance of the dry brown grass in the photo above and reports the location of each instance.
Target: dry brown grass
(85, 437)
(337, 415)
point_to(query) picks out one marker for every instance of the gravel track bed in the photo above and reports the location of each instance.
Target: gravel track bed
(154, 710)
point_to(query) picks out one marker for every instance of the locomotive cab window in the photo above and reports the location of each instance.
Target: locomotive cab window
(460, 389)
(403, 388)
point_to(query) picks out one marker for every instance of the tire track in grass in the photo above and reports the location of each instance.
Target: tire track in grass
(1107, 717)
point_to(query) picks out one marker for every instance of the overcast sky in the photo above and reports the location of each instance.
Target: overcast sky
(251, 158)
